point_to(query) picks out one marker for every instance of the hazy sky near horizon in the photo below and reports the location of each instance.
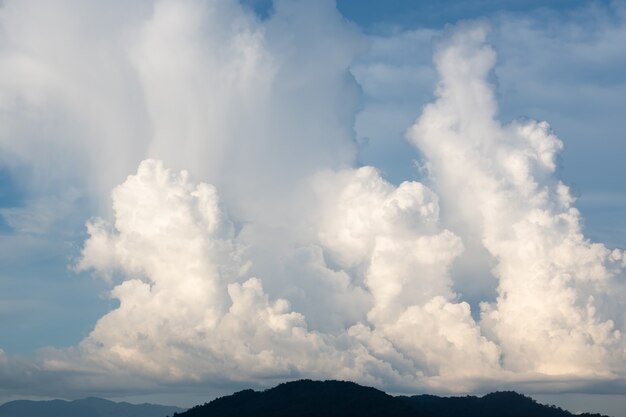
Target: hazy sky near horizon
(200, 196)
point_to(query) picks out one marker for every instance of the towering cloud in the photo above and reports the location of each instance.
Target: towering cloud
(557, 310)
(192, 306)
(182, 313)
(244, 245)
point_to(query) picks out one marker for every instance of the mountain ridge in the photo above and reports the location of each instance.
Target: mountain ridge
(303, 398)
(307, 398)
(84, 407)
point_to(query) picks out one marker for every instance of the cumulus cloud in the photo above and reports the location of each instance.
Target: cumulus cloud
(192, 308)
(386, 234)
(188, 307)
(558, 293)
(89, 90)
(245, 246)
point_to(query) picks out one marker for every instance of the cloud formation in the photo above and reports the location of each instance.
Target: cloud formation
(193, 306)
(499, 183)
(247, 247)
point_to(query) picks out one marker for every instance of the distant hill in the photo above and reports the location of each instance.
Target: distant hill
(87, 407)
(307, 398)
(501, 404)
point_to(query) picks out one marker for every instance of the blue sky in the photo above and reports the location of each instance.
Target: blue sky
(281, 109)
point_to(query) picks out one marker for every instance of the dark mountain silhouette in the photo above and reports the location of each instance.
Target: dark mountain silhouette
(307, 398)
(87, 407)
(500, 404)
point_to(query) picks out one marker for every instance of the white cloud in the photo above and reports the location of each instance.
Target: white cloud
(90, 90)
(192, 307)
(188, 308)
(389, 236)
(555, 287)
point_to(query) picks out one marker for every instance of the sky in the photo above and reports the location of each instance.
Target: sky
(198, 197)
